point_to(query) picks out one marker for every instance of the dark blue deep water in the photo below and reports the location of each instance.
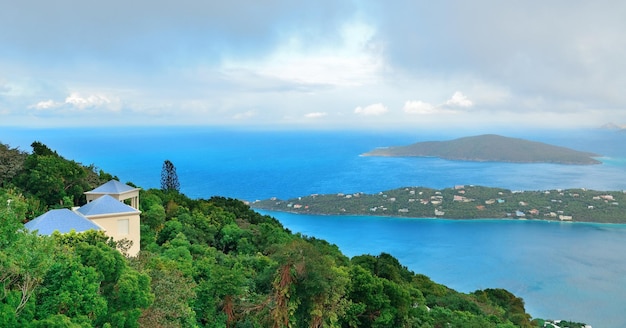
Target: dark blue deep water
(569, 271)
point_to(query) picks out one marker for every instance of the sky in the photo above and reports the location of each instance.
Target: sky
(314, 64)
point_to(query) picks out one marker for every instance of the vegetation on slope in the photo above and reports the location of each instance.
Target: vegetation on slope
(212, 263)
(490, 148)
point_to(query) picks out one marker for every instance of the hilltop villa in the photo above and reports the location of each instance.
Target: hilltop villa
(106, 210)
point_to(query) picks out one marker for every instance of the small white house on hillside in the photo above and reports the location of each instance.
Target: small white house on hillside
(105, 210)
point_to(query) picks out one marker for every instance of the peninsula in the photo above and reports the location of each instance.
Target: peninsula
(490, 148)
(464, 202)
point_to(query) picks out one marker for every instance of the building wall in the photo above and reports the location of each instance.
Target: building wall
(114, 226)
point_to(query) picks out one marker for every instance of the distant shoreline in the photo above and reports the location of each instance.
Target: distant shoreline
(443, 218)
(464, 203)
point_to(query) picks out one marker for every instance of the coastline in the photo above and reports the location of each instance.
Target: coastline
(464, 203)
(264, 211)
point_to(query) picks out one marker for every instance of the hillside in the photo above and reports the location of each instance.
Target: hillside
(205, 263)
(490, 148)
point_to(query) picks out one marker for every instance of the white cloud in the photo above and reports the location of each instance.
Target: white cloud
(424, 108)
(419, 107)
(80, 102)
(459, 100)
(371, 110)
(353, 60)
(75, 101)
(46, 104)
(316, 115)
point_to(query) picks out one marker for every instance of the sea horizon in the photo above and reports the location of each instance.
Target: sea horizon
(318, 161)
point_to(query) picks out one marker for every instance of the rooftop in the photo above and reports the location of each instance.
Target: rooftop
(62, 220)
(105, 205)
(112, 187)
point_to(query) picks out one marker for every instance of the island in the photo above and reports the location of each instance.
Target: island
(490, 148)
(464, 202)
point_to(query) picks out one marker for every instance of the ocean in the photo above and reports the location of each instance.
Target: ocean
(562, 270)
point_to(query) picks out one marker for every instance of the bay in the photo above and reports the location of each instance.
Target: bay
(571, 271)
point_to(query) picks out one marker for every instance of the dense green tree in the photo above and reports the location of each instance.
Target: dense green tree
(11, 163)
(91, 237)
(24, 260)
(444, 317)
(384, 266)
(39, 149)
(512, 305)
(71, 289)
(171, 229)
(367, 296)
(154, 217)
(131, 293)
(307, 287)
(53, 179)
(58, 321)
(175, 290)
(125, 289)
(13, 207)
(229, 237)
(218, 291)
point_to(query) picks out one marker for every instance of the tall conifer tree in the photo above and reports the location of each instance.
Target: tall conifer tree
(169, 178)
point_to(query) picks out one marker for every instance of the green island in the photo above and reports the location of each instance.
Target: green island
(205, 263)
(490, 148)
(465, 202)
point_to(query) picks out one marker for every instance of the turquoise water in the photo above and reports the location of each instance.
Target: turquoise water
(562, 270)
(571, 271)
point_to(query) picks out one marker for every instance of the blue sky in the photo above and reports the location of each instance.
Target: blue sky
(318, 64)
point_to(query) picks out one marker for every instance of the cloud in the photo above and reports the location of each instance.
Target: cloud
(76, 101)
(315, 115)
(371, 110)
(245, 115)
(46, 104)
(419, 107)
(353, 59)
(195, 62)
(459, 100)
(81, 102)
(146, 33)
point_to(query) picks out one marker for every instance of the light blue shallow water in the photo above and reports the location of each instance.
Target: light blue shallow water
(573, 271)
(562, 270)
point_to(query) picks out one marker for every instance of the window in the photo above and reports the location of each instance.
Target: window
(122, 227)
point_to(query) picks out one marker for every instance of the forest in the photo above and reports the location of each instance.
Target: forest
(204, 263)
